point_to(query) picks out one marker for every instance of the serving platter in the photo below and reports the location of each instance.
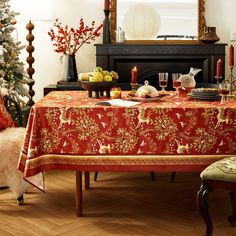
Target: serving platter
(147, 99)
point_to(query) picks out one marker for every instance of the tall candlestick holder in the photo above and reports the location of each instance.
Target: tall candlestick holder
(231, 80)
(218, 79)
(134, 87)
(106, 28)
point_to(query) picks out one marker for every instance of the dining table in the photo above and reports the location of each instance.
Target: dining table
(67, 130)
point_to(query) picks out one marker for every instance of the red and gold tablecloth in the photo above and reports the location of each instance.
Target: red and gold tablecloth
(67, 130)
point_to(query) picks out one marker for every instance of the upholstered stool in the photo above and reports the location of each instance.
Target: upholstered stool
(221, 174)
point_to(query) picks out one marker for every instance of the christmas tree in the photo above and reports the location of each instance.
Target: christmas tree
(12, 74)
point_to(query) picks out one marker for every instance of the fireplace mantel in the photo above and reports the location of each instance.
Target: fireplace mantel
(153, 58)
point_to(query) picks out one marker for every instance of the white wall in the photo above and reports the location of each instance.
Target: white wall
(219, 13)
(47, 62)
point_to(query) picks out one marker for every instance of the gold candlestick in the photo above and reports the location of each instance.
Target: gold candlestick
(134, 87)
(218, 79)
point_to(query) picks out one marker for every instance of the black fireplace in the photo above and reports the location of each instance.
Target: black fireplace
(150, 59)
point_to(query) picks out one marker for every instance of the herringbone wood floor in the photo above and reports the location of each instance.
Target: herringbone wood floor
(119, 204)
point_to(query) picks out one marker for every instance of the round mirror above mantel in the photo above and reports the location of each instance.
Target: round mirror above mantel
(158, 21)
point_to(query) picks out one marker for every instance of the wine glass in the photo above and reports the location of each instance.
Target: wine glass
(176, 83)
(224, 89)
(163, 79)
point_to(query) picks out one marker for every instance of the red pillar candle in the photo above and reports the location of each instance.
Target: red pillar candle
(106, 4)
(231, 56)
(219, 68)
(134, 75)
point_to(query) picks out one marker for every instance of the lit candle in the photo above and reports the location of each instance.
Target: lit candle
(106, 4)
(231, 56)
(219, 68)
(134, 75)
(115, 93)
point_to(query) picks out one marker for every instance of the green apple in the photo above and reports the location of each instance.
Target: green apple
(98, 69)
(107, 78)
(97, 77)
(105, 72)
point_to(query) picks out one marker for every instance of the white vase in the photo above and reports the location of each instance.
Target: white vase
(64, 65)
(68, 68)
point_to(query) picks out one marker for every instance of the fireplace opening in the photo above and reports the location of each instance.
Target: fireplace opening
(149, 69)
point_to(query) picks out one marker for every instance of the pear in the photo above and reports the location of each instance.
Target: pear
(84, 76)
(114, 75)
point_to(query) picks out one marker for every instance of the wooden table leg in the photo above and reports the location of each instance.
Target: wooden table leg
(86, 180)
(78, 193)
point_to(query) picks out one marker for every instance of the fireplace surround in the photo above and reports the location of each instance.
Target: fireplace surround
(153, 58)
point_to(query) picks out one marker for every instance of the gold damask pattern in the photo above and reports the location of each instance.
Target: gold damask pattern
(165, 127)
(228, 166)
(67, 122)
(205, 140)
(121, 160)
(125, 141)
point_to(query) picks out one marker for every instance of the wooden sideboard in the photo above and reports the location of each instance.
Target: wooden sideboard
(54, 87)
(153, 58)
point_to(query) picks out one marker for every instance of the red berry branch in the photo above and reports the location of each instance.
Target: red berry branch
(69, 40)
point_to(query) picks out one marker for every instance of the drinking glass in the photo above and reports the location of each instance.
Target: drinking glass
(163, 79)
(176, 83)
(224, 89)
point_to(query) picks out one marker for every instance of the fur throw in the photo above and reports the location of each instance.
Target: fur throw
(11, 140)
(4, 91)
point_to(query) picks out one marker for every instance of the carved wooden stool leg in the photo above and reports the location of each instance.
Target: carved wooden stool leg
(203, 207)
(232, 218)
(95, 176)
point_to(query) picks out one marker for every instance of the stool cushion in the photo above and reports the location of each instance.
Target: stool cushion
(222, 170)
